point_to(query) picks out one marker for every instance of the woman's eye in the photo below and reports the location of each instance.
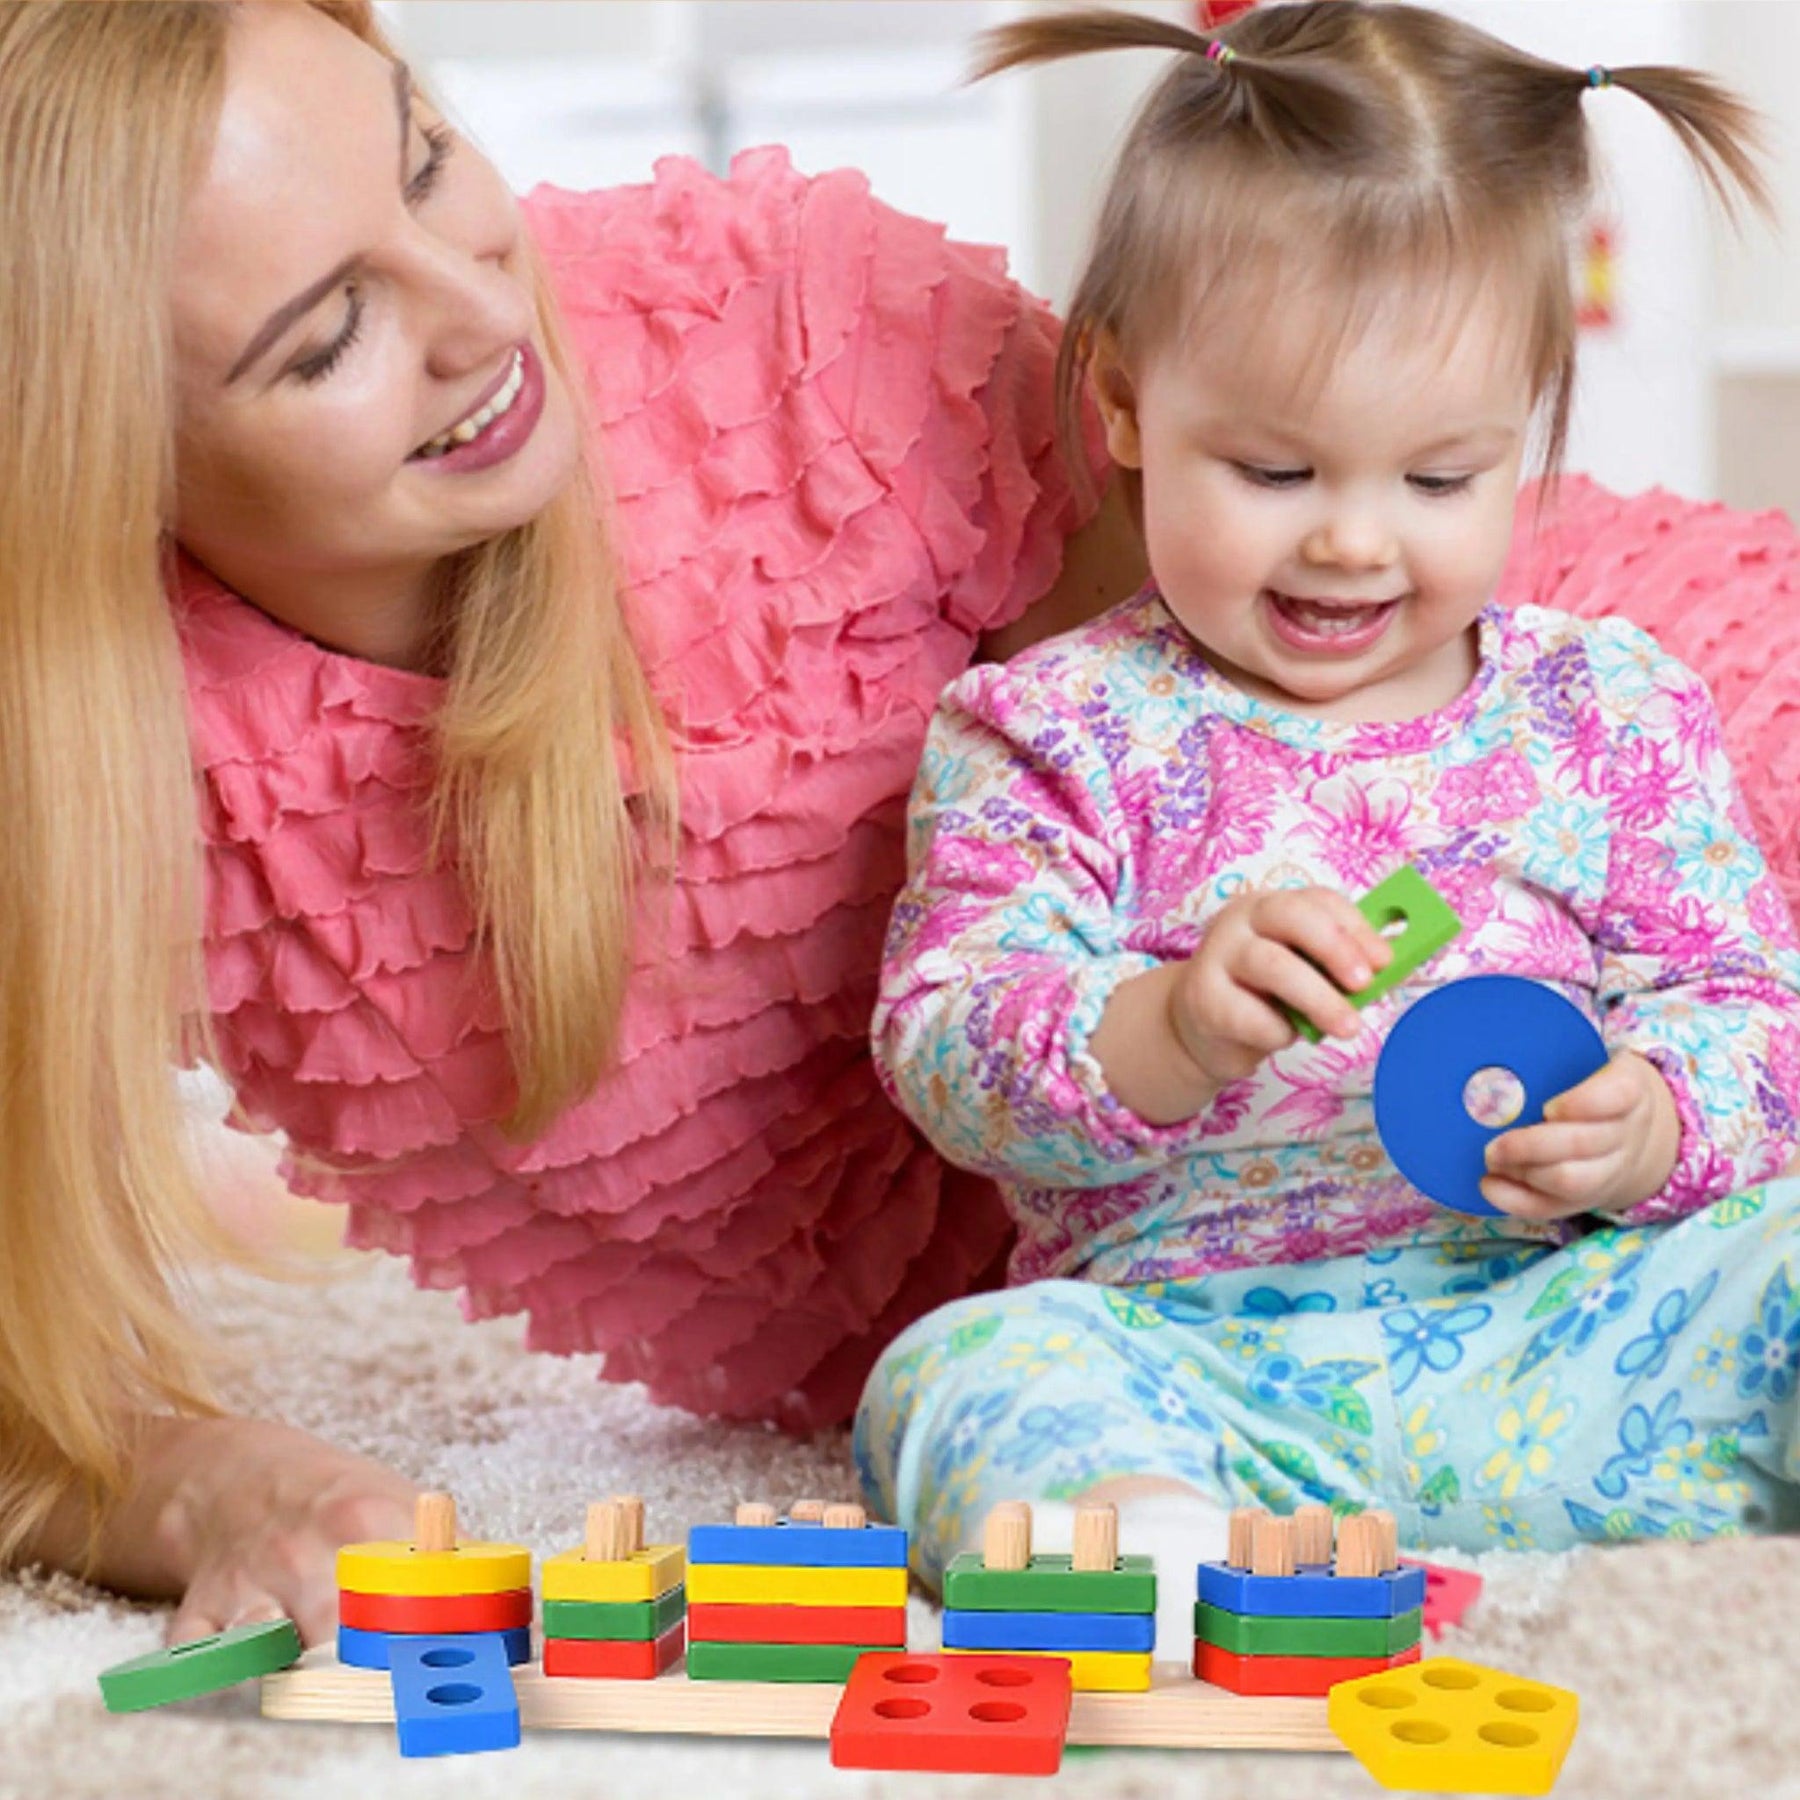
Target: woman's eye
(1260, 476)
(316, 368)
(1440, 484)
(441, 140)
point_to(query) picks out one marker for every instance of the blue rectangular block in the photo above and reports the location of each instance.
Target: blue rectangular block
(799, 1544)
(1313, 1593)
(453, 1695)
(965, 1630)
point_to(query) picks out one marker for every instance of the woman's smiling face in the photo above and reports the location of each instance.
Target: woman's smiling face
(351, 284)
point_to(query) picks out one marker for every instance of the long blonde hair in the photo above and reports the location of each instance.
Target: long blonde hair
(106, 114)
(1388, 140)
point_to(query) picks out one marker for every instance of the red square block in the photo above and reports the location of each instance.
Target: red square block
(963, 1714)
(1449, 1593)
(607, 1660)
(1267, 1676)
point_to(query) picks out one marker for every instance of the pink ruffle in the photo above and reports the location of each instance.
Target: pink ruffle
(830, 437)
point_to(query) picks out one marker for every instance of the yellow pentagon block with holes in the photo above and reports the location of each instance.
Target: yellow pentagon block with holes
(1455, 1727)
(647, 1574)
(393, 1568)
(1091, 1671)
(757, 1584)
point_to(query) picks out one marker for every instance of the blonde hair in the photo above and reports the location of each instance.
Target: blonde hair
(106, 114)
(1389, 140)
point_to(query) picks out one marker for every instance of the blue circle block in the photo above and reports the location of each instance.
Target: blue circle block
(369, 1649)
(1479, 1022)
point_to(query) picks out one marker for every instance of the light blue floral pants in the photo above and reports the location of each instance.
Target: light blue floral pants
(1635, 1383)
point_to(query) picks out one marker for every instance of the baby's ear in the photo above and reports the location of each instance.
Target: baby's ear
(1116, 396)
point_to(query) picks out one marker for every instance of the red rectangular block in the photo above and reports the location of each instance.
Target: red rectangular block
(1266, 1676)
(606, 1659)
(434, 1615)
(962, 1714)
(715, 1622)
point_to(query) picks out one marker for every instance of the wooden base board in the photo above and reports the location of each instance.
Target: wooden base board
(1178, 1713)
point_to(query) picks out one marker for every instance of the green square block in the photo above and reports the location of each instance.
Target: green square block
(776, 1662)
(1262, 1634)
(1430, 924)
(1051, 1585)
(615, 1621)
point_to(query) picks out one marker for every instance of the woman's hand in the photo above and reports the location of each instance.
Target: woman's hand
(248, 1518)
(1606, 1144)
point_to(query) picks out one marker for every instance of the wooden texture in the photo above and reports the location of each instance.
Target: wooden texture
(1178, 1713)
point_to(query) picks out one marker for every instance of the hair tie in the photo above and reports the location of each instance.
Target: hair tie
(1599, 76)
(1220, 53)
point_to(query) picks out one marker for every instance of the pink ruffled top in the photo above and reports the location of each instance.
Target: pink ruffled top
(830, 433)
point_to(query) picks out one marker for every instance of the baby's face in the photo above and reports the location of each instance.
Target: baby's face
(1330, 548)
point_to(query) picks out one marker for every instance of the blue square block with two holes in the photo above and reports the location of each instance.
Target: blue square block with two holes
(453, 1695)
(1313, 1593)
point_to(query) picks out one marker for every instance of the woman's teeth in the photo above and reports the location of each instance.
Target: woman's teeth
(477, 422)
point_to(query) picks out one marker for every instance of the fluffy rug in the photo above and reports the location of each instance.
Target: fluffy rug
(1680, 1654)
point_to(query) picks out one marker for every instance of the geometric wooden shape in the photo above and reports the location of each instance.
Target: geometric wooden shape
(1312, 1593)
(390, 1567)
(452, 1696)
(622, 1621)
(1051, 1584)
(434, 1615)
(711, 1623)
(1449, 1593)
(201, 1666)
(799, 1544)
(773, 1662)
(647, 1574)
(1296, 1675)
(1456, 1727)
(1090, 1671)
(975, 1714)
(1259, 1634)
(739, 1584)
(374, 1649)
(1061, 1631)
(613, 1659)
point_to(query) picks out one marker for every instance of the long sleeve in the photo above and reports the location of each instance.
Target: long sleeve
(1009, 938)
(1699, 967)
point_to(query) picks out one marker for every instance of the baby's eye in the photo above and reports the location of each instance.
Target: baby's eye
(1440, 484)
(1258, 475)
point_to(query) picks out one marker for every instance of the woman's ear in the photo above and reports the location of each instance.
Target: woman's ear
(1116, 397)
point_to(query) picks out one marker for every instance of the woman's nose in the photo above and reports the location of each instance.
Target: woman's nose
(473, 309)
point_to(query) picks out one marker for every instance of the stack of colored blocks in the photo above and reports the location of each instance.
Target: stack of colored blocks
(1289, 1613)
(1093, 1606)
(614, 1608)
(794, 1599)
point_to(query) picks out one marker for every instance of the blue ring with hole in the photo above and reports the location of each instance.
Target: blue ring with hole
(1479, 1022)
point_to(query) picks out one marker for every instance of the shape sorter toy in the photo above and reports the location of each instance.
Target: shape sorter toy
(794, 1599)
(1287, 1613)
(435, 1587)
(1093, 1606)
(614, 1609)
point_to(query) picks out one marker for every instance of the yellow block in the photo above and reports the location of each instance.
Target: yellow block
(390, 1567)
(647, 1575)
(756, 1584)
(1091, 1671)
(1455, 1727)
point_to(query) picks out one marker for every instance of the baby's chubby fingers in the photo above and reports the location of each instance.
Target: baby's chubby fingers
(1518, 1153)
(1328, 935)
(1611, 1092)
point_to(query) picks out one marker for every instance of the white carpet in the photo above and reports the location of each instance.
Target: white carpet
(1680, 1655)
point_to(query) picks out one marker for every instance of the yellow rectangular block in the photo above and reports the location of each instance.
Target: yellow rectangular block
(648, 1575)
(756, 1584)
(1091, 1671)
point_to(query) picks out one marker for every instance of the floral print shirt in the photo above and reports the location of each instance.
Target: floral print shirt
(1083, 811)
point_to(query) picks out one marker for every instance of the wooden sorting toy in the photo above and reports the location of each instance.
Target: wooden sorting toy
(616, 1639)
(1092, 1608)
(1456, 1727)
(1291, 1612)
(794, 1599)
(974, 1714)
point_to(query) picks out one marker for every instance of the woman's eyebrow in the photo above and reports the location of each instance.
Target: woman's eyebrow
(303, 302)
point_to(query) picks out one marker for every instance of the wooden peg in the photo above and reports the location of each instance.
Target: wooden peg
(632, 1506)
(847, 1516)
(1239, 1536)
(1272, 1546)
(434, 1523)
(1006, 1541)
(608, 1532)
(754, 1512)
(1312, 1535)
(1390, 1539)
(1359, 1546)
(1096, 1543)
(808, 1511)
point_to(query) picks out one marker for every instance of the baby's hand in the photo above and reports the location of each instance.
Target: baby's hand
(1604, 1145)
(1261, 950)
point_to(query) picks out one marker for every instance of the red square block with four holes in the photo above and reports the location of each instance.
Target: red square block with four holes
(963, 1714)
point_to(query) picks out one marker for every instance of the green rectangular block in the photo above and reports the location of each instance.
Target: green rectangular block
(1263, 1634)
(776, 1662)
(1051, 1585)
(615, 1621)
